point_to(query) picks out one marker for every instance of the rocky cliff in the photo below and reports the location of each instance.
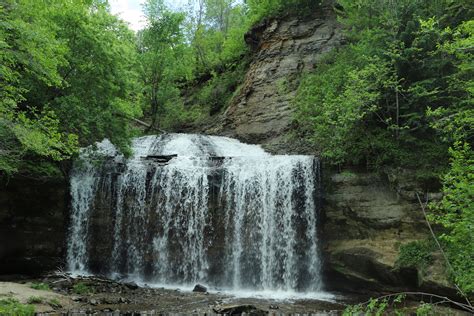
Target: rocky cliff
(33, 221)
(282, 49)
(367, 218)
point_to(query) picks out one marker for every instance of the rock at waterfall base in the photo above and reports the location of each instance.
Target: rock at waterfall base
(200, 288)
(238, 310)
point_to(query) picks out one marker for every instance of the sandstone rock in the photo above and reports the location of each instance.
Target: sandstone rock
(283, 49)
(366, 220)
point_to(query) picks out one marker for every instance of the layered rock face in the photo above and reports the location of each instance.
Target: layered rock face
(283, 48)
(368, 217)
(33, 216)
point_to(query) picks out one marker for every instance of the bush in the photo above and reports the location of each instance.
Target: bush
(218, 91)
(35, 300)
(13, 307)
(40, 286)
(55, 303)
(82, 288)
(415, 254)
(260, 9)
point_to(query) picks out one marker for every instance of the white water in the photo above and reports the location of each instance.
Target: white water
(222, 213)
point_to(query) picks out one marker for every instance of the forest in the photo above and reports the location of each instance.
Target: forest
(398, 93)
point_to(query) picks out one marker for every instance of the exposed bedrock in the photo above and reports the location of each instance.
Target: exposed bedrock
(261, 110)
(33, 220)
(367, 217)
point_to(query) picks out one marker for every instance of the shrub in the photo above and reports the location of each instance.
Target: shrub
(35, 300)
(13, 307)
(40, 286)
(82, 288)
(416, 254)
(54, 302)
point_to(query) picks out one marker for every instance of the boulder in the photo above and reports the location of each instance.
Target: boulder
(200, 288)
(239, 310)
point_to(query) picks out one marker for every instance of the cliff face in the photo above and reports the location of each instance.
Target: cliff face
(367, 218)
(282, 49)
(33, 221)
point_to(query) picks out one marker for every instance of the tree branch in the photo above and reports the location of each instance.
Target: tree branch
(442, 251)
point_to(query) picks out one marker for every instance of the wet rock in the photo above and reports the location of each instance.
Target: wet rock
(123, 300)
(131, 285)
(111, 300)
(35, 227)
(239, 310)
(200, 288)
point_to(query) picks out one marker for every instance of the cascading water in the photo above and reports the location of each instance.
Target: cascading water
(192, 208)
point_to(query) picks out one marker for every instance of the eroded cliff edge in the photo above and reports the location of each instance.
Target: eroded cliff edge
(282, 49)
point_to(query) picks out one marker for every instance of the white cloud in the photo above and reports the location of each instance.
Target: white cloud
(130, 11)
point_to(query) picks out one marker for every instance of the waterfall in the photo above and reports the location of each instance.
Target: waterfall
(188, 208)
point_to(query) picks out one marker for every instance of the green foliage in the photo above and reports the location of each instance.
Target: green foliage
(374, 101)
(375, 307)
(455, 213)
(455, 120)
(35, 300)
(82, 288)
(13, 307)
(165, 61)
(389, 305)
(31, 54)
(69, 77)
(416, 254)
(424, 309)
(55, 303)
(219, 90)
(40, 286)
(335, 103)
(259, 9)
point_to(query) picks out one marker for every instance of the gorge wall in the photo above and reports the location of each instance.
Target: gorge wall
(33, 221)
(282, 49)
(368, 217)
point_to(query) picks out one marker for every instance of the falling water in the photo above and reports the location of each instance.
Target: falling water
(192, 208)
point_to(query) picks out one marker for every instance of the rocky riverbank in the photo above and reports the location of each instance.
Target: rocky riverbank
(61, 294)
(64, 295)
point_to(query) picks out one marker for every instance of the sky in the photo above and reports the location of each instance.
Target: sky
(131, 11)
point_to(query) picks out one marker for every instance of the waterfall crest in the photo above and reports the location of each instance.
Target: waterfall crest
(191, 208)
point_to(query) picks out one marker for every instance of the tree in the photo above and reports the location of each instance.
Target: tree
(165, 58)
(68, 77)
(27, 58)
